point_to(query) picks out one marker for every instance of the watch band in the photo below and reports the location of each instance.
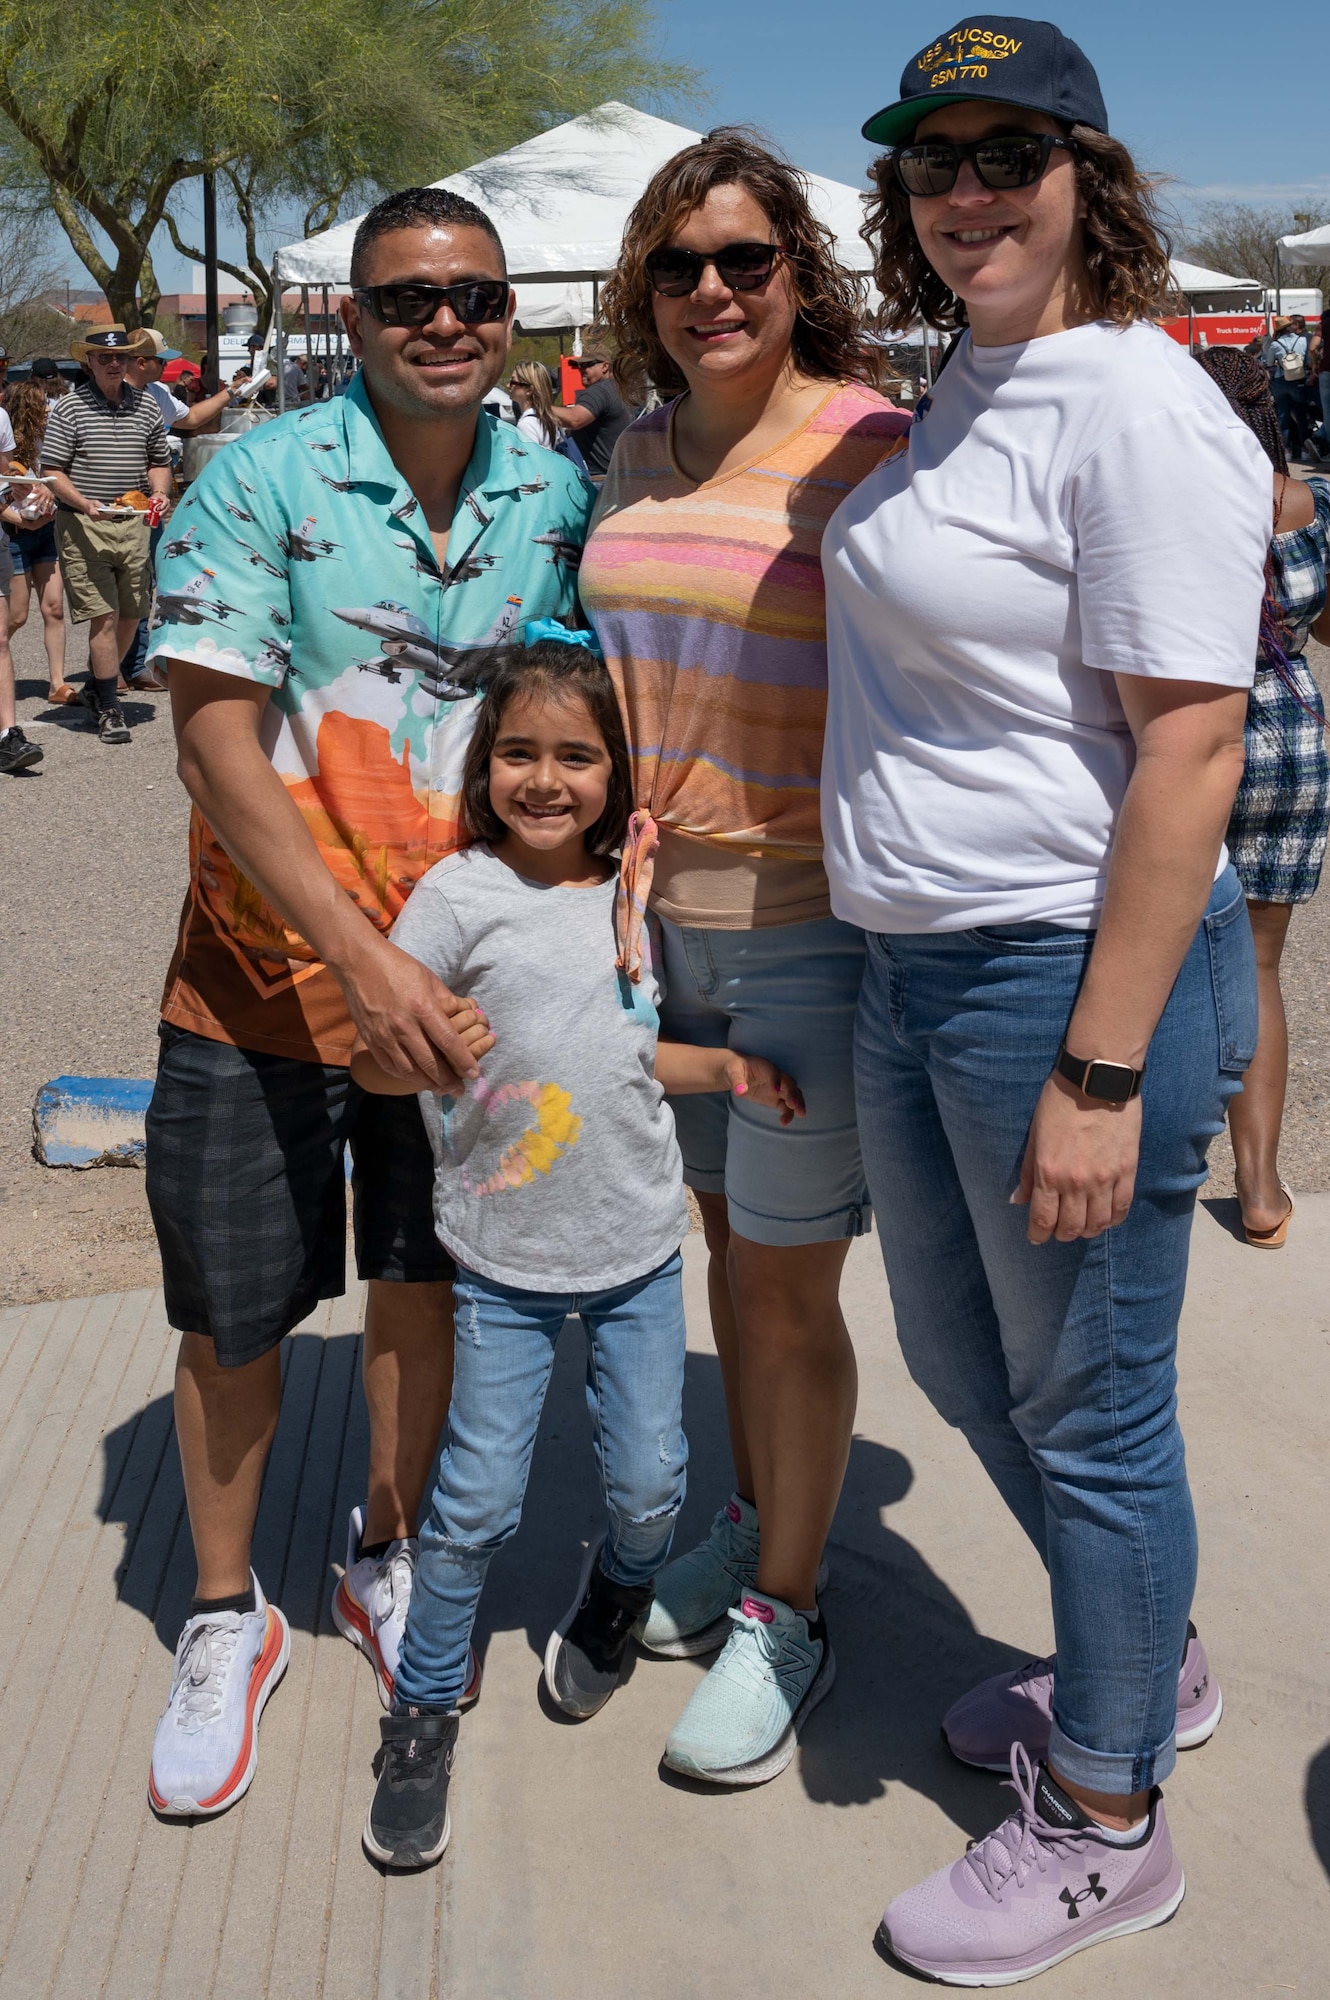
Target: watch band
(1095, 1076)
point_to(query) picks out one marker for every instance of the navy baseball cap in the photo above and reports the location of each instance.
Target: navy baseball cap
(1030, 63)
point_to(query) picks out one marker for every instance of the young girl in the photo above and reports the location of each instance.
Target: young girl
(559, 1190)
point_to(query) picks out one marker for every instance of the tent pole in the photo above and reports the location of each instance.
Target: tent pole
(309, 341)
(279, 351)
(928, 358)
(327, 342)
(1279, 293)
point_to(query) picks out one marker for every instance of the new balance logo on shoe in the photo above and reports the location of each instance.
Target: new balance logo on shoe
(1093, 1887)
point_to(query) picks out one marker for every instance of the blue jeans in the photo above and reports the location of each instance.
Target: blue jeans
(504, 1352)
(136, 657)
(1056, 1361)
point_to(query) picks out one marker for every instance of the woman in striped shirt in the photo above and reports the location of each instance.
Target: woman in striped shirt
(703, 579)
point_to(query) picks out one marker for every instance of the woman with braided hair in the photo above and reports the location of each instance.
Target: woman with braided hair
(1277, 833)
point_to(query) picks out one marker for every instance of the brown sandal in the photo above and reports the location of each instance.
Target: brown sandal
(61, 697)
(1272, 1239)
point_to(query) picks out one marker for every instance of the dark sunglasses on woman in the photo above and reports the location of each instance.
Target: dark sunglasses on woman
(741, 267)
(931, 165)
(473, 302)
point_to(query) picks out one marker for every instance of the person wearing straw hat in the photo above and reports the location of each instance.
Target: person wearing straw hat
(105, 439)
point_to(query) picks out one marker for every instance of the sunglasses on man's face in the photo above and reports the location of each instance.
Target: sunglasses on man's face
(474, 302)
(741, 267)
(931, 165)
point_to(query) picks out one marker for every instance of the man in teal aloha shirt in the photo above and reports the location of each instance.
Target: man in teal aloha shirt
(326, 594)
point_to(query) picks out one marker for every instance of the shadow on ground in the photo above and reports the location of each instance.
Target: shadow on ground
(1318, 1805)
(905, 1644)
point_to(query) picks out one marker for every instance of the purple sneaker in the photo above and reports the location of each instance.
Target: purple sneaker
(1044, 1885)
(981, 1727)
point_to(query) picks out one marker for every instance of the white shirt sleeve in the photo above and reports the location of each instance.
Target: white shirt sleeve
(6, 432)
(1172, 519)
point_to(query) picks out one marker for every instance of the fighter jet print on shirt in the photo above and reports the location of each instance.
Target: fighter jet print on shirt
(448, 672)
(239, 512)
(260, 562)
(302, 546)
(184, 545)
(560, 548)
(274, 653)
(190, 607)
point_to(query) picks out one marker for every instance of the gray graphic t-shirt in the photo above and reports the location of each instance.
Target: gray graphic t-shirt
(559, 1170)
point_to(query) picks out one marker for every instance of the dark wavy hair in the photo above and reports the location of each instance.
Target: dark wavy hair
(560, 673)
(1126, 245)
(828, 336)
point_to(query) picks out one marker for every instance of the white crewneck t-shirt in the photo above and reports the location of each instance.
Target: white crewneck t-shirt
(1069, 508)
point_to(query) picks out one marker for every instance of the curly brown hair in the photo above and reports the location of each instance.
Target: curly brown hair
(27, 407)
(829, 300)
(1126, 246)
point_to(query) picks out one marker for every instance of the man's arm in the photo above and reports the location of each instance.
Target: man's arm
(402, 1013)
(573, 417)
(202, 413)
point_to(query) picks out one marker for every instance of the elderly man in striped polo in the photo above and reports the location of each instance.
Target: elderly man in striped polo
(105, 439)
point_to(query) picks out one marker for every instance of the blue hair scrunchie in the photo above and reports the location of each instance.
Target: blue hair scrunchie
(537, 629)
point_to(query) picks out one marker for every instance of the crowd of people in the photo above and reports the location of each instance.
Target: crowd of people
(816, 805)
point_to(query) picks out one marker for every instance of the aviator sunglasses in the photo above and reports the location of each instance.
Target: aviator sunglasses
(741, 267)
(931, 166)
(474, 302)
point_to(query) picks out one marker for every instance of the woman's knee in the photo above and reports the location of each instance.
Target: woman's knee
(715, 1213)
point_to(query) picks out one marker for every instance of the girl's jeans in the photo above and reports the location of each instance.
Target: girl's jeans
(1057, 1360)
(504, 1350)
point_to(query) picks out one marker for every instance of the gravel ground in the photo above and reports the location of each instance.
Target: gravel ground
(94, 846)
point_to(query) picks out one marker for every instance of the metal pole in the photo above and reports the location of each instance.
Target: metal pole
(211, 363)
(339, 351)
(1279, 293)
(309, 341)
(279, 350)
(928, 357)
(327, 342)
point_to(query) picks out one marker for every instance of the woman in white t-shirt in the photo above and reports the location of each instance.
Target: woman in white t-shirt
(1041, 621)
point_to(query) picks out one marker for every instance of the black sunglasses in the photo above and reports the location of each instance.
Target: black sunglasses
(741, 267)
(473, 302)
(931, 166)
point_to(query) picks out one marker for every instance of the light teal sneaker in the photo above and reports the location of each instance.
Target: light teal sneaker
(742, 1722)
(696, 1593)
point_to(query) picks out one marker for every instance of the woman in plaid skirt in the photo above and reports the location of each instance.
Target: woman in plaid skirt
(1277, 834)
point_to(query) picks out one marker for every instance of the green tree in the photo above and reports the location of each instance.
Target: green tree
(108, 109)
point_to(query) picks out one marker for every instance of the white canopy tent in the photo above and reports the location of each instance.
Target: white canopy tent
(1187, 278)
(1312, 247)
(560, 202)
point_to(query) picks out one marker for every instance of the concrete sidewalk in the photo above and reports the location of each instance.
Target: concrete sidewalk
(575, 1868)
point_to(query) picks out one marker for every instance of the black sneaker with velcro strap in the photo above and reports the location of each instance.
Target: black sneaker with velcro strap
(408, 1824)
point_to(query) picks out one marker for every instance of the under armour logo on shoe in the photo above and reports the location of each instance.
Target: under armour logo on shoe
(1093, 1887)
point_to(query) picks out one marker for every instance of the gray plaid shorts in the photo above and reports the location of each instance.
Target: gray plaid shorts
(247, 1187)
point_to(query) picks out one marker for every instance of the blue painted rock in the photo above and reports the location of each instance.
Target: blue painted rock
(90, 1121)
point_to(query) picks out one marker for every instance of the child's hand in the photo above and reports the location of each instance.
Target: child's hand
(475, 1031)
(762, 1083)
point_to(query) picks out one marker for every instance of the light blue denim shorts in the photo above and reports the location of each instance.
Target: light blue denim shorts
(789, 994)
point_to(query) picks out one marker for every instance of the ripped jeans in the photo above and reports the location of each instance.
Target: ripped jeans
(504, 1351)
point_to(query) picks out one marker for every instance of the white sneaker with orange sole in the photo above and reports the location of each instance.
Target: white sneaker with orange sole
(206, 1749)
(370, 1604)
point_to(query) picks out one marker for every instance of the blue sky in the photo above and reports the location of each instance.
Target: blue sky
(1229, 100)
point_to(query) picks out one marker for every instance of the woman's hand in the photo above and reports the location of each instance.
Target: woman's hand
(761, 1082)
(1079, 1172)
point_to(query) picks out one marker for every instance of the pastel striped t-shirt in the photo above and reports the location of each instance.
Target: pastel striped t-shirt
(708, 602)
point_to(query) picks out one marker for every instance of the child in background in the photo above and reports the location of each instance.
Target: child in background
(559, 1190)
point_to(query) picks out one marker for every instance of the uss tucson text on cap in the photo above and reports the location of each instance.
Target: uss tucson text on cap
(1030, 63)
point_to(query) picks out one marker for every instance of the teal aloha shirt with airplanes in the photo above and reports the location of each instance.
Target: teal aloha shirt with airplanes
(301, 560)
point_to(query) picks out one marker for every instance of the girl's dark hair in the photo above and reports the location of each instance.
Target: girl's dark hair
(828, 337)
(1247, 387)
(560, 673)
(1126, 246)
